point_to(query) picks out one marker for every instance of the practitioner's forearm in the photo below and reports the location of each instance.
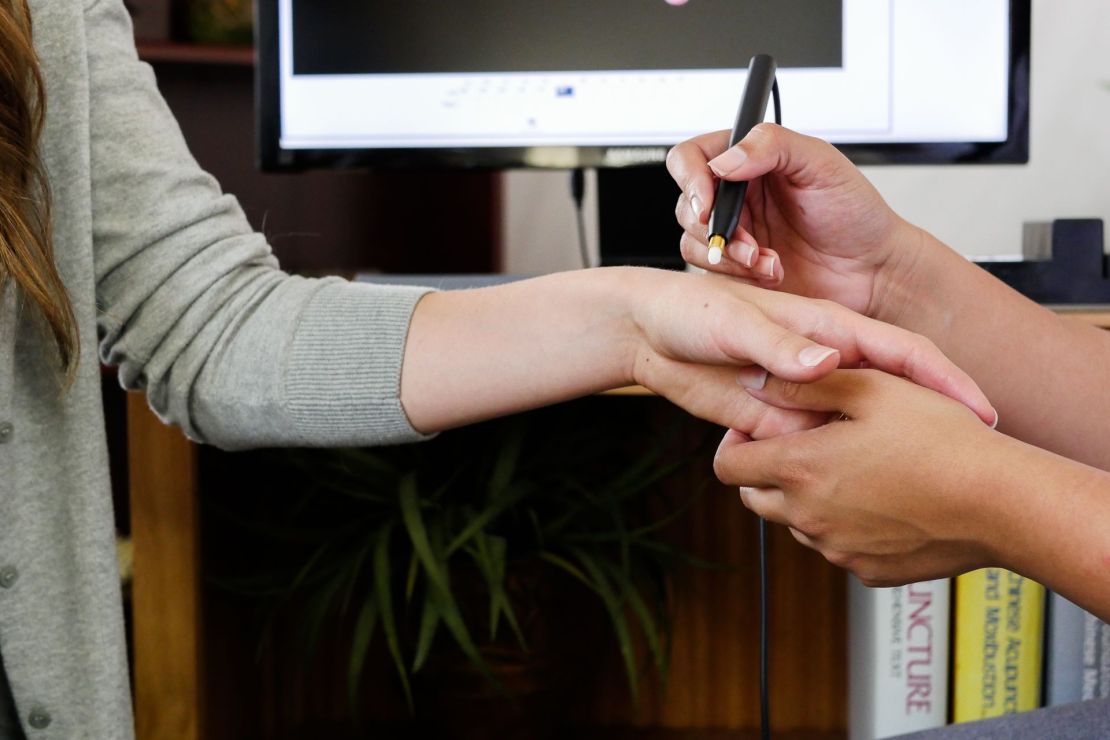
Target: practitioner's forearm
(1049, 376)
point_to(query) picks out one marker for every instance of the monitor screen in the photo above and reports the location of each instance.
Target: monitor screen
(505, 83)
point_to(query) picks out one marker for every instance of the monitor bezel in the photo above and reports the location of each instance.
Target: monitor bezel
(272, 158)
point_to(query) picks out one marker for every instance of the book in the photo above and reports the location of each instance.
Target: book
(1077, 654)
(898, 663)
(1065, 659)
(1096, 658)
(998, 653)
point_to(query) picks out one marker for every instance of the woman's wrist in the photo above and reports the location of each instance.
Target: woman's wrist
(923, 285)
(621, 293)
(896, 291)
(637, 293)
(1050, 517)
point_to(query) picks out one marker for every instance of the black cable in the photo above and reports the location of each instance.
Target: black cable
(578, 194)
(778, 103)
(764, 698)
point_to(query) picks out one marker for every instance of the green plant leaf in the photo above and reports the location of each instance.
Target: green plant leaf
(508, 453)
(429, 620)
(362, 461)
(435, 567)
(353, 572)
(383, 582)
(410, 580)
(452, 619)
(613, 505)
(418, 534)
(615, 608)
(569, 567)
(317, 611)
(490, 513)
(647, 621)
(490, 555)
(360, 645)
(499, 601)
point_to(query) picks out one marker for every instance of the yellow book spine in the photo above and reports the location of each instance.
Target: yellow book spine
(999, 633)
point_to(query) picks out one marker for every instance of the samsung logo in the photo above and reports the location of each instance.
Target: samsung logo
(623, 156)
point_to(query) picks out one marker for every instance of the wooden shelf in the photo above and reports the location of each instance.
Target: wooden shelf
(657, 733)
(1095, 315)
(166, 52)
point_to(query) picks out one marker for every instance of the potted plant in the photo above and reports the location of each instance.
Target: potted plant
(451, 553)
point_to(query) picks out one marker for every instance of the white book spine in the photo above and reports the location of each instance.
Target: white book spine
(898, 667)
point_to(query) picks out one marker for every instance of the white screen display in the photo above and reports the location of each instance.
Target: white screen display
(911, 71)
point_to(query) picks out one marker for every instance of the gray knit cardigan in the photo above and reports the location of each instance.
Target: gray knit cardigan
(169, 281)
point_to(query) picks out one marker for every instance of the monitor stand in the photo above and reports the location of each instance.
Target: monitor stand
(636, 221)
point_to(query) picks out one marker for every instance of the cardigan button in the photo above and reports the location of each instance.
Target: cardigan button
(39, 719)
(6, 430)
(8, 576)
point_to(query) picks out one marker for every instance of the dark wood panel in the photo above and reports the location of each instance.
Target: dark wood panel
(713, 682)
(391, 221)
(165, 589)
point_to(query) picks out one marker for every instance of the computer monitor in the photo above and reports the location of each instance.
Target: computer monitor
(613, 83)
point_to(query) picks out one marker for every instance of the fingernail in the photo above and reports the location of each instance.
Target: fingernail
(752, 377)
(695, 203)
(728, 160)
(995, 424)
(814, 355)
(765, 266)
(744, 253)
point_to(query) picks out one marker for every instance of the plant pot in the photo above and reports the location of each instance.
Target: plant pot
(455, 700)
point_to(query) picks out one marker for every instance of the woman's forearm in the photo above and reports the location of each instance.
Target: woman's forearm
(476, 354)
(1048, 376)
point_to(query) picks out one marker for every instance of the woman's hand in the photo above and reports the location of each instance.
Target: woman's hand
(704, 333)
(812, 224)
(908, 486)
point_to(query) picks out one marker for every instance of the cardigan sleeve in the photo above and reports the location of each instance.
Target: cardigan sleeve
(192, 305)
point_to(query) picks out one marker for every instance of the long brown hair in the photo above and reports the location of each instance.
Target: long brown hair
(26, 245)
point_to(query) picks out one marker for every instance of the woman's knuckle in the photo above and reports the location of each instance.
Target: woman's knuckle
(760, 419)
(810, 524)
(686, 247)
(789, 390)
(723, 467)
(841, 558)
(765, 135)
(674, 158)
(871, 577)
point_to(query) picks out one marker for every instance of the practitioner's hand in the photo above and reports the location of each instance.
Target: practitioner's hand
(812, 224)
(906, 486)
(702, 337)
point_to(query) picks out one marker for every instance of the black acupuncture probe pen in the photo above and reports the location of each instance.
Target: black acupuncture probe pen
(730, 195)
